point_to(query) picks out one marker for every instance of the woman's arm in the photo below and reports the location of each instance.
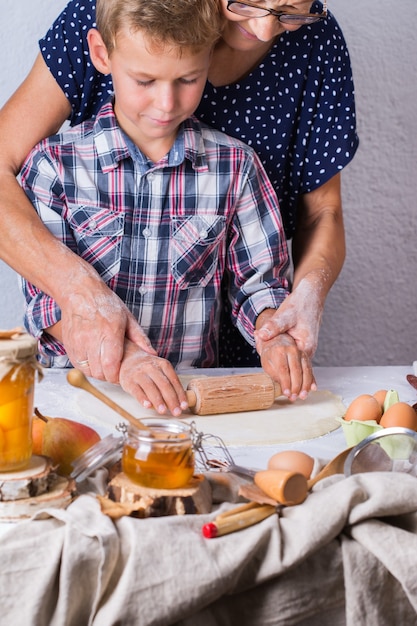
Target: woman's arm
(318, 255)
(37, 109)
(94, 320)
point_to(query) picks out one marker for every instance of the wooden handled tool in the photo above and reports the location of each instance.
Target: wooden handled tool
(231, 394)
(237, 519)
(335, 466)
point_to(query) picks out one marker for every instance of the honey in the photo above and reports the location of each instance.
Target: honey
(162, 458)
(18, 367)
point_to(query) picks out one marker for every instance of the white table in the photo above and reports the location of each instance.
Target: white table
(54, 396)
(284, 561)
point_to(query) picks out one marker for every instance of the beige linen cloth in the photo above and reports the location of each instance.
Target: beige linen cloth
(347, 555)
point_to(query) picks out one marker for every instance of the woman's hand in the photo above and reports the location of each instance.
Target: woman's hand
(299, 316)
(283, 360)
(152, 381)
(318, 252)
(93, 328)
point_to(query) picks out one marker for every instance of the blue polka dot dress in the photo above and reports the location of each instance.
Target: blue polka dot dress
(296, 109)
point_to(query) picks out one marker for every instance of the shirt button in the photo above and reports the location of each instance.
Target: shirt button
(146, 232)
(92, 224)
(143, 290)
(203, 234)
(151, 176)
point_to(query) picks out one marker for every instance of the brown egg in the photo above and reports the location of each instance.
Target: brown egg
(400, 414)
(363, 408)
(293, 461)
(380, 396)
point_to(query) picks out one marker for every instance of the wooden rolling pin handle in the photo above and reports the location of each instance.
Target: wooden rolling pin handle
(191, 398)
(231, 394)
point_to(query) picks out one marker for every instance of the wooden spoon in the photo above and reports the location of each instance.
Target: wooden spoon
(77, 379)
(12, 334)
(335, 466)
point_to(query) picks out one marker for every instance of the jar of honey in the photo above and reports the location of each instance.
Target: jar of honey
(18, 366)
(162, 457)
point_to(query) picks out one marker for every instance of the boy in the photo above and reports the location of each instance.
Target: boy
(163, 207)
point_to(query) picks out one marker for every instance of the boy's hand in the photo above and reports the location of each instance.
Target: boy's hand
(152, 381)
(286, 364)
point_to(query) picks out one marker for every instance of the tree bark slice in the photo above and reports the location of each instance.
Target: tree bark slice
(126, 498)
(30, 482)
(61, 492)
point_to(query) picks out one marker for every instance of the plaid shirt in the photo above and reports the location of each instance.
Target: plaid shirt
(161, 235)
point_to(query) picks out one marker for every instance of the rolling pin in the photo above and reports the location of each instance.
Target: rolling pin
(205, 396)
(231, 394)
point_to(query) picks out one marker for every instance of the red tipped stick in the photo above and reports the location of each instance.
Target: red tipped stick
(210, 530)
(237, 519)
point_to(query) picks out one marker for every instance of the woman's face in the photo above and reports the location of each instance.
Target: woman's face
(243, 33)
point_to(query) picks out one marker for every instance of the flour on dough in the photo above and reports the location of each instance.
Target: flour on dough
(284, 422)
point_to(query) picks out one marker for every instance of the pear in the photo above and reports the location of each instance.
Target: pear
(62, 440)
(38, 426)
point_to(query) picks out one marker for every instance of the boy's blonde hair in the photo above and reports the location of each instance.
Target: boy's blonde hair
(192, 24)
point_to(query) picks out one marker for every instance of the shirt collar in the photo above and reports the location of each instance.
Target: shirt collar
(113, 146)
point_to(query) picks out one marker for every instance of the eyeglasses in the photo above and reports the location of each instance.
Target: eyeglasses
(296, 19)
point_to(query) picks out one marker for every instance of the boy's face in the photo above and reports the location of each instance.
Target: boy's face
(155, 90)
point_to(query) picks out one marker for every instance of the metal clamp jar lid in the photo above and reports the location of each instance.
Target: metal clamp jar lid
(107, 450)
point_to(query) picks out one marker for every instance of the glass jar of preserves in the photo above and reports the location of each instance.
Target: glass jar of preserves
(162, 458)
(18, 366)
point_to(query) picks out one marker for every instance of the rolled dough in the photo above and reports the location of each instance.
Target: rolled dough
(284, 422)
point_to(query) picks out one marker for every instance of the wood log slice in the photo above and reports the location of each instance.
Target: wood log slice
(61, 492)
(138, 501)
(32, 481)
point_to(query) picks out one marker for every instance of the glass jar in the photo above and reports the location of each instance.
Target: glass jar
(18, 366)
(162, 458)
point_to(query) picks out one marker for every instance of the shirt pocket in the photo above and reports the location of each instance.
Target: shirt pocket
(98, 233)
(195, 248)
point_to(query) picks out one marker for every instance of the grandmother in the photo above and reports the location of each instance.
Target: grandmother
(281, 81)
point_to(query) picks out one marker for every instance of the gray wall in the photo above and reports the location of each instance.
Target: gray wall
(22, 23)
(371, 313)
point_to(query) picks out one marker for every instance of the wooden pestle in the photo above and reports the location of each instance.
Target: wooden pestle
(231, 394)
(77, 379)
(285, 486)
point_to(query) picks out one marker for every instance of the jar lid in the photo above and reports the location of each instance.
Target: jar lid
(104, 451)
(20, 346)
